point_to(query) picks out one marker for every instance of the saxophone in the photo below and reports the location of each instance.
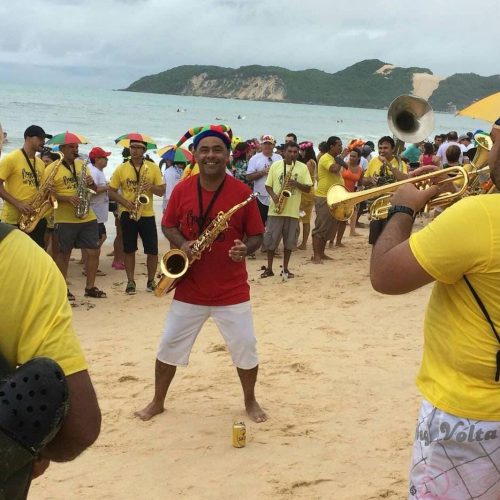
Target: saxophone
(83, 192)
(42, 202)
(141, 198)
(284, 193)
(175, 263)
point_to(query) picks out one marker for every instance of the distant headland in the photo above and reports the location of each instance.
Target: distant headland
(367, 84)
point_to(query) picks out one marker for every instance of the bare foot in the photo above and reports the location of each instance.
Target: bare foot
(303, 246)
(330, 245)
(326, 257)
(150, 411)
(354, 234)
(255, 412)
(340, 245)
(316, 260)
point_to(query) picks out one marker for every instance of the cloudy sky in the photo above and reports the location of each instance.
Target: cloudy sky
(111, 43)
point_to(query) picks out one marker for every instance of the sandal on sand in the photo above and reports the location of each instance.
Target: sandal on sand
(71, 297)
(288, 274)
(267, 273)
(97, 273)
(95, 293)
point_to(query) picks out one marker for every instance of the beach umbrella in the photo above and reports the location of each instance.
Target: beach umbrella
(175, 154)
(487, 109)
(68, 138)
(124, 140)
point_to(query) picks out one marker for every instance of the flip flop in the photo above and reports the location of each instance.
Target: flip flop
(267, 273)
(95, 293)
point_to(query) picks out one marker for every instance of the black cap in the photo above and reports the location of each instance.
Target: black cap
(36, 131)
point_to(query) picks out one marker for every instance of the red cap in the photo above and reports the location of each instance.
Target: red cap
(98, 153)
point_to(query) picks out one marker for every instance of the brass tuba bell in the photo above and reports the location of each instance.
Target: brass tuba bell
(410, 119)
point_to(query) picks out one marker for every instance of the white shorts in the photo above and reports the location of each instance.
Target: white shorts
(454, 458)
(184, 322)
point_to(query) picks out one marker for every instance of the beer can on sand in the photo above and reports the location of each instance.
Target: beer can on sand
(239, 435)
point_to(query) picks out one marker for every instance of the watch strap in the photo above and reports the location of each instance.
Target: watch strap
(403, 209)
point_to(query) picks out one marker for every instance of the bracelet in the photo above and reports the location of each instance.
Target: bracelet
(400, 209)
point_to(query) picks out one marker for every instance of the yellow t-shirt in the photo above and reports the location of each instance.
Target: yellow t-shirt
(188, 171)
(459, 361)
(125, 179)
(376, 163)
(36, 315)
(65, 184)
(19, 182)
(275, 179)
(326, 179)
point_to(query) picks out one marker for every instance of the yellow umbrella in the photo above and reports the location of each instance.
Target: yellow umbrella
(487, 109)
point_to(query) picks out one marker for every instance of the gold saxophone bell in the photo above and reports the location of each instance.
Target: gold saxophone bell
(174, 265)
(143, 199)
(342, 202)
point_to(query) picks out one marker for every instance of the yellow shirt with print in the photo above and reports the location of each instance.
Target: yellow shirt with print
(38, 319)
(375, 166)
(326, 179)
(66, 184)
(125, 179)
(19, 182)
(275, 179)
(459, 360)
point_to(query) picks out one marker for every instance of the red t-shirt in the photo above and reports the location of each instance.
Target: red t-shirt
(214, 279)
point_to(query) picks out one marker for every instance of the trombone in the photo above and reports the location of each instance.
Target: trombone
(341, 202)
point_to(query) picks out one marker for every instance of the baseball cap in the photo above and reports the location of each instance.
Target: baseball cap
(98, 153)
(268, 138)
(463, 136)
(36, 131)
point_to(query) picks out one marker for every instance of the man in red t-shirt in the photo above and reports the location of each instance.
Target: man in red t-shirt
(216, 284)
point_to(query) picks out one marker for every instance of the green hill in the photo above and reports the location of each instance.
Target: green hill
(366, 84)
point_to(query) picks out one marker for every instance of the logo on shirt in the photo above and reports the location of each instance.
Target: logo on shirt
(69, 182)
(192, 226)
(28, 178)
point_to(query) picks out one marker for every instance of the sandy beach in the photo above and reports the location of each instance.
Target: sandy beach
(338, 363)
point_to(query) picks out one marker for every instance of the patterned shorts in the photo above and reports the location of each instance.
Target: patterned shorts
(454, 458)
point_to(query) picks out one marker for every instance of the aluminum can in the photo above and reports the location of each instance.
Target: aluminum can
(239, 434)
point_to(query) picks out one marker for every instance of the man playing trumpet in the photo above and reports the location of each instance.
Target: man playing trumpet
(457, 440)
(383, 169)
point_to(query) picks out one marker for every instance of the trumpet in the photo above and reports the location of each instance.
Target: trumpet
(341, 202)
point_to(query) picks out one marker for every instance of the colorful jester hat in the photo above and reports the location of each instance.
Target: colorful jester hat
(224, 132)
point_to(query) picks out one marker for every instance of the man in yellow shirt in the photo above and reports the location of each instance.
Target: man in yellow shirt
(284, 223)
(325, 225)
(456, 445)
(21, 174)
(72, 231)
(385, 168)
(127, 178)
(37, 322)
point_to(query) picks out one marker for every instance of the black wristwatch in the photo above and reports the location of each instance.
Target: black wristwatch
(400, 209)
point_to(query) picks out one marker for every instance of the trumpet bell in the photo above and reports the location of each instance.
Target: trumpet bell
(337, 199)
(410, 118)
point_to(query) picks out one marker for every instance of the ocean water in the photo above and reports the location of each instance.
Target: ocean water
(102, 115)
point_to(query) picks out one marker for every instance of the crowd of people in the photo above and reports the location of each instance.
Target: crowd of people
(461, 364)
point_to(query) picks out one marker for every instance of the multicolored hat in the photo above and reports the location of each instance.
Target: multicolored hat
(224, 132)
